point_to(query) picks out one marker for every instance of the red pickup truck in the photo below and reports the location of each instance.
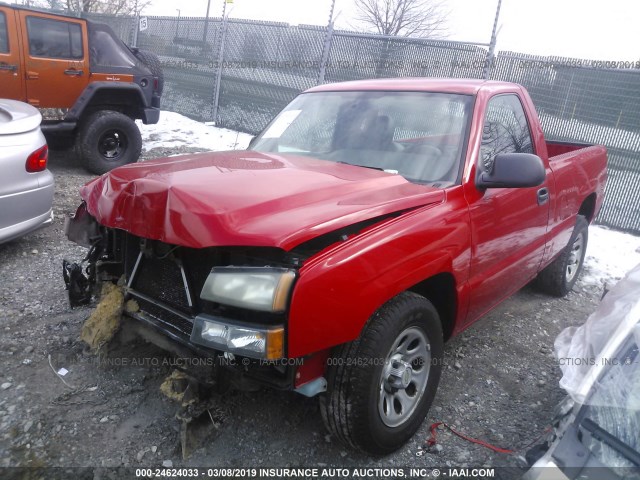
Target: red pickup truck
(367, 224)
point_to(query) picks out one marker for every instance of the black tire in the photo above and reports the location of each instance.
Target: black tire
(152, 61)
(107, 140)
(353, 408)
(559, 277)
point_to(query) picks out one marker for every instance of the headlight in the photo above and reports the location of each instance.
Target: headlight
(247, 340)
(260, 288)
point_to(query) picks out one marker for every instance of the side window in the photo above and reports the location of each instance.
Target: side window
(4, 34)
(54, 38)
(505, 130)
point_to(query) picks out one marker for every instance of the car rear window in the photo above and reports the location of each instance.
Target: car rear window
(54, 38)
(4, 36)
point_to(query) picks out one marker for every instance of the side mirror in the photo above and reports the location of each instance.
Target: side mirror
(513, 170)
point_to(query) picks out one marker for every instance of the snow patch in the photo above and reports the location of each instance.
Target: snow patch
(610, 255)
(175, 130)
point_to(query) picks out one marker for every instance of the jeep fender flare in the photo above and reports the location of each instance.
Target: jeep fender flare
(85, 99)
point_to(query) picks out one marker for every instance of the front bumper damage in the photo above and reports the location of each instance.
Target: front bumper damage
(164, 280)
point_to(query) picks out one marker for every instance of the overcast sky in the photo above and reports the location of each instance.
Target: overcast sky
(573, 28)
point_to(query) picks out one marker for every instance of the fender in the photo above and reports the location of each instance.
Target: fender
(340, 288)
(84, 100)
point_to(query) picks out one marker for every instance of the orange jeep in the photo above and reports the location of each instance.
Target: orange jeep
(89, 86)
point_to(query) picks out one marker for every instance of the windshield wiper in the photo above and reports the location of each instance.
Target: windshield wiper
(363, 166)
(612, 441)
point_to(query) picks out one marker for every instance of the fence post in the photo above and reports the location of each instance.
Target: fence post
(216, 93)
(136, 29)
(488, 64)
(326, 50)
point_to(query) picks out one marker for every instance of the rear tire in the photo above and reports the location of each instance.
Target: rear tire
(381, 385)
(559, 277)
(107, 140)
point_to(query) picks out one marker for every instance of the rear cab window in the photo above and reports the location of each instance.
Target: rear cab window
(54, 38)
(4, 34)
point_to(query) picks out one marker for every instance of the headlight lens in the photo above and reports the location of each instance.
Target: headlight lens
(264, 289)
(249, 341)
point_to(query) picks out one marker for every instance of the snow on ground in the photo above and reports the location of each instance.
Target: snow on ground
(175, 130)
(610, 254)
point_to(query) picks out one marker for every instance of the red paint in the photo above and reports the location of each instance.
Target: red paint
(312, 368)
(245, 198)
(491, 242)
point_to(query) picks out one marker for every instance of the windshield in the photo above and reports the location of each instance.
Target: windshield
(610, 422)
(419, 135)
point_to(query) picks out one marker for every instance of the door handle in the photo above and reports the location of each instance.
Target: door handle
(77, 73)
(11, 68)
(543, 196)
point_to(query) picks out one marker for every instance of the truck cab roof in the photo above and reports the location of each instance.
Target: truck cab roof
(464, 86)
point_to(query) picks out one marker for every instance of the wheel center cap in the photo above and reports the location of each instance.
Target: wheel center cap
(400, 374)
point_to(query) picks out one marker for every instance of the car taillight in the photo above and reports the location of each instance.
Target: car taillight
(37, 161)
(156, 84)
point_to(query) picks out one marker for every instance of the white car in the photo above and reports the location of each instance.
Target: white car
(26, 186)
(597, 427)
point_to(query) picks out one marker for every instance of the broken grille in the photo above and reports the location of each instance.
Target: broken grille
(160, 285)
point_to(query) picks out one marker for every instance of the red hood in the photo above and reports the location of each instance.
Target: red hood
(245, 198)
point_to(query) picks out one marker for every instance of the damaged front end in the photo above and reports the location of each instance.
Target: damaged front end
(228, 304)
(82, 281)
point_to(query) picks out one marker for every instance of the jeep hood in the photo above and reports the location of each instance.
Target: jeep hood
(245, 198)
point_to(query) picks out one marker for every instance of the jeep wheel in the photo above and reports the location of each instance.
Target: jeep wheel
(561, 275)
(108, 140)
(380, 386)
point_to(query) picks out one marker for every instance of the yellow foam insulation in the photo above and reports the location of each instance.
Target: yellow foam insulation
(131, 306)
(174, 387)
(105, 320)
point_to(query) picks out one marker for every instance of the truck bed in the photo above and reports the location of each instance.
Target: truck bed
(579, 174)
(555, 149)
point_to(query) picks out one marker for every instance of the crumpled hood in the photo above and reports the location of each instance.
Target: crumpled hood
(245, 198)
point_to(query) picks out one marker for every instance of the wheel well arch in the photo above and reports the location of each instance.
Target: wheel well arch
(440, 290)
(127, 102)
(124, 98)
(588, 207)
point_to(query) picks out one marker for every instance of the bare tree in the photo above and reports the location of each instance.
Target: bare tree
(409, 18)
(112, 7)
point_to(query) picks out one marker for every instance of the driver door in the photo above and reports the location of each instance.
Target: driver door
(508, 224)
(11, 73)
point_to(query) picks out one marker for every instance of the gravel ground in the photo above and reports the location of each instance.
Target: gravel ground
(500, 382)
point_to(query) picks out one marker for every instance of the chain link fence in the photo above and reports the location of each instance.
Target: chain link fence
(239, 74)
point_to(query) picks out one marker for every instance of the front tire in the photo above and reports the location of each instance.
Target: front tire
(559, 277)
(381, 385)
(108, 140)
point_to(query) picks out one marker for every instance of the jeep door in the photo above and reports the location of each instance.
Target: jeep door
(11, 72)
(56, 59)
